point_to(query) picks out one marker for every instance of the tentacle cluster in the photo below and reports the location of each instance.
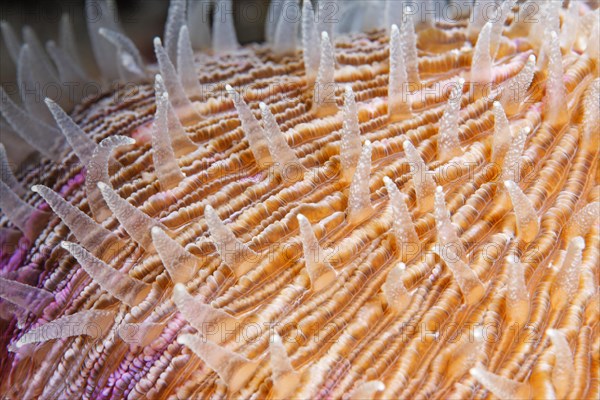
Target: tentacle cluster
(307, 228)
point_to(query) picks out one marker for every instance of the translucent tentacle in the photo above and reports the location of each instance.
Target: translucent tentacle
(350, 144)
(367, 390)
(80, 142)
(396, 294)
(408, 38)
(407, 239)
(319, 270)
(84, 323)
(528, 222)
(284, 41)
(180, 142)
(232, 368)
(171, 80)
(185, 64)
(502, 134)
(446, 230)
(69, 72)
(89, 233)
(327, 24)
(32, 78)
(593, 46)
(563, 372)
(119, 284)
(252, 129)
(468, 282)
(498, 26)
(198, 24)
(165, 164)
(137, 223)
(103, 14)
(448, 140)
(176, 16)
(591, 113)
(310, 42)
(42, 137)
(511, 167)
(224, 38)
(285, 378)
(580, 223)
(28, 219)
(13, 44)
(514, 91)
(478, 17)
(517, 296)
(211, 322)
(324, 102)
(568, 34)
(422, 180)
(398, 104)
(97, 171)
(359, 198)
(566, 281)
(549, 23)
(236, 254)
(556, 93)
(502, 387)
(6, 174)
(179, 263)
(273, 16)
(44, 66)
(66, 39)
(32, 299)
(286, 162)
(128, 55)
(465, 353)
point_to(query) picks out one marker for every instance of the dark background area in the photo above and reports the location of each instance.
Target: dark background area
(141, 20)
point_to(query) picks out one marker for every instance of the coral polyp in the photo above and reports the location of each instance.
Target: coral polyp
(393, 206)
